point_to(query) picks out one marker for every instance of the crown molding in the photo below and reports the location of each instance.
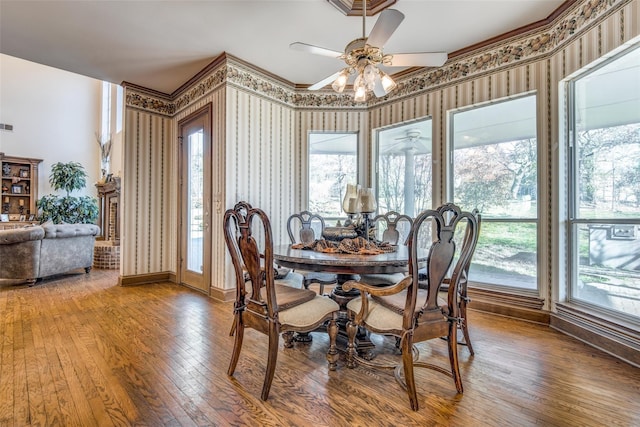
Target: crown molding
(354, 7)
(529, 44)
(568, 4)
(517, 50)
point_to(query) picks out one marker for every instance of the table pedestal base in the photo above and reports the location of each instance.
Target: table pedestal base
(363, 344)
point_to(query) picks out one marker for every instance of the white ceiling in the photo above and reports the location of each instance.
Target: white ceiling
(162, 44)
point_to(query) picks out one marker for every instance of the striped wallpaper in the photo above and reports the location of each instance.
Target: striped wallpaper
(148, 194)
(260, 131)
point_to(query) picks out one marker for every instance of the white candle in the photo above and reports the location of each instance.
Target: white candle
(21, 202)
(352, 205)
(364, 200)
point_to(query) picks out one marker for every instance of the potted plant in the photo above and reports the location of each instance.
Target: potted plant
(69, 177)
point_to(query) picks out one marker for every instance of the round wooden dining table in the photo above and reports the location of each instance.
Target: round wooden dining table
(343, 263)
(346, 267)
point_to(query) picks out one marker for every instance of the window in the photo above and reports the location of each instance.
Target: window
(333, 163)
(404, 168)
(494, 169)
(111, 109)
(106, 108)
(604, 196)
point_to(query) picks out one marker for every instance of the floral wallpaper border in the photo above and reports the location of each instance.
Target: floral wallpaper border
(504, 54)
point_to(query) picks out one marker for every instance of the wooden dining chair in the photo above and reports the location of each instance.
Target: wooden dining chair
(463, 295)
(415, 315)
(306, 227)
(393, 228)
(261, 303)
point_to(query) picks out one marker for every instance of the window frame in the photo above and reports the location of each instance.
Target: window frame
(572, 199)
(330, 219)
(450, 186)
(375, 157)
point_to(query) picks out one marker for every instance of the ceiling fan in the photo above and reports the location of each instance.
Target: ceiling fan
(365, 54)
(412, 135)
(411, 141)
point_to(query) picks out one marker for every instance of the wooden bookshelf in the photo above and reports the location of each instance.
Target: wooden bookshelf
(19, 187)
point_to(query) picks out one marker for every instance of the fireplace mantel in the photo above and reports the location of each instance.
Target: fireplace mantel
(109, 210)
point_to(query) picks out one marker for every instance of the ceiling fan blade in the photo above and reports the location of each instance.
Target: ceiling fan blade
(386, 24)
(393, 147)
(421, 59)
(322, 83)
(316, 50)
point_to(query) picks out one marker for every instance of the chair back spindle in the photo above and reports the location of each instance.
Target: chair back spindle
(305, 227)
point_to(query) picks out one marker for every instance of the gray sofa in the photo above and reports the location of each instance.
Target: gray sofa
(35, 252)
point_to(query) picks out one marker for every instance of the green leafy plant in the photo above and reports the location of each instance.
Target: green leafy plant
(69, 177)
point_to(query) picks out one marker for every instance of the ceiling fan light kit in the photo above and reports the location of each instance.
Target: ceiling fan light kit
(364, 55)
(387, 82)
(339, 84)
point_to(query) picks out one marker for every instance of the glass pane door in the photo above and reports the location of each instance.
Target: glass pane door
(195, 194)
(195, 239)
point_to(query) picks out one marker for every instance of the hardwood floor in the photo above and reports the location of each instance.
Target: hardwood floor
(79, 350)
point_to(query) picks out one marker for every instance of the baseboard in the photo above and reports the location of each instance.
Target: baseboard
(143, 279)
(609, 336)
(524, 307)
(223, 295)
(521, 313)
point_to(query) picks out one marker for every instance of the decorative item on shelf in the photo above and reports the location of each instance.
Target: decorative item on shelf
(5, 189)
(16, 189)
(350, 203)
(5, 205)
(21, 207)
(6, 170)
(367, 205)
(24, 173)
(105, 156)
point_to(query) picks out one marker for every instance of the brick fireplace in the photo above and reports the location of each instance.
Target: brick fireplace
(107, 249)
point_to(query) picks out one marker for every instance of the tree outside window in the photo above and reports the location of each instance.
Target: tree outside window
(333, 163)
(495, 170)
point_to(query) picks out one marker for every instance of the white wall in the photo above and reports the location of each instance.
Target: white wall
(54, 114)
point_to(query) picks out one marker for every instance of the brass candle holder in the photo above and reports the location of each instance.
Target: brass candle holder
(367, 205)
(350, 203)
